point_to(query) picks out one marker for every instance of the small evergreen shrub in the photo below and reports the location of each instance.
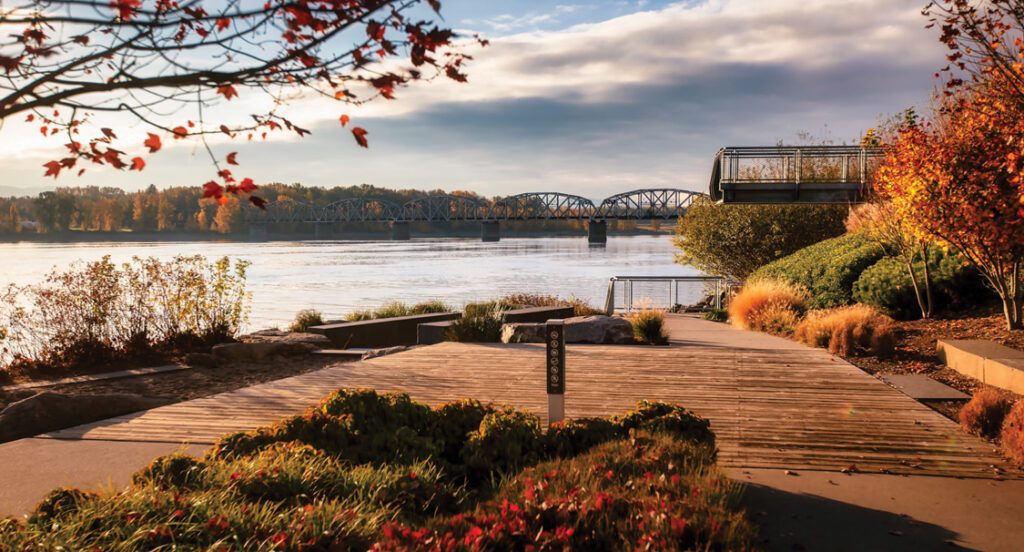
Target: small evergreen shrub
(985, 413)
(1012, 434)
(668, 418)
(507, 440)
(306, 319)
(886, 284)
(773, 306)
(827, 269)
(648, 326)
(172, 470)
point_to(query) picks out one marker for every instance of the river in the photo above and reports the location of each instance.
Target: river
(339, 276)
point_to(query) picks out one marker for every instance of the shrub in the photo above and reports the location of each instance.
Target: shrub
(735, 240)
(320, 482)
(99, 312)
(1012, 434)
(847, 331)
(668, 418)
(715, 315)
(827, 269)
(887, 285)
(306, 319)
(648, 326)
(480, 328)
(486, 308)
(507, 440)
(985, 413)
(768, 305)
(650, 492)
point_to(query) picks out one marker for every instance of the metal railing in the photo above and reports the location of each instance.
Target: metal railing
(628, 293)
(785, 174)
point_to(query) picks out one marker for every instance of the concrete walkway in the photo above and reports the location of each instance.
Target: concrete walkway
(776, 406)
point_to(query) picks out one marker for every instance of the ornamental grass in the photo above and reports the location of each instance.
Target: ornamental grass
(773, 306)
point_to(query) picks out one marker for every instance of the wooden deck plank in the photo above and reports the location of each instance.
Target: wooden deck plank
(792, 408)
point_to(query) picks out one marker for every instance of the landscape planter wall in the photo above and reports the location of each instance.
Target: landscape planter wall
(986, 361)
(383, 332)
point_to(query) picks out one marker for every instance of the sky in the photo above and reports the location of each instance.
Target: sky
(590, 97)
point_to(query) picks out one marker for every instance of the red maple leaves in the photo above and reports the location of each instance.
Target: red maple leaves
(153, 143)
(360, 135)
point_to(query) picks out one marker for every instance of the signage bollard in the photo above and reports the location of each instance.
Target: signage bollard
(554, 332)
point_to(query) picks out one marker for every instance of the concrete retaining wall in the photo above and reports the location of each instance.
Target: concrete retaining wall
(985, 361)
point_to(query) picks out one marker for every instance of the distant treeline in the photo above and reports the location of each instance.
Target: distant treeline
(183, 210)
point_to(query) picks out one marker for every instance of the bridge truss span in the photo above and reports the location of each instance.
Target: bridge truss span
(361, 210)
(445, 208)
(647, 204)
(542, 206)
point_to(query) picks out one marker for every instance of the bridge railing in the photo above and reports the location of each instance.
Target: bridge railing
(784, 174)
(629, 293)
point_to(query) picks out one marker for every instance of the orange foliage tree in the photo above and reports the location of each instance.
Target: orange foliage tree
(166, 63)
(960, 179)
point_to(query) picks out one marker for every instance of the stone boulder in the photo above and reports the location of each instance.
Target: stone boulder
(49, 411)
(610, 330)
(522, 332)
(287, 338)
(247, 352)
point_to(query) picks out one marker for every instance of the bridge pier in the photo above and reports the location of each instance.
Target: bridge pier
(490, 231)
(597, 232)
(317, 233)
(400, 230)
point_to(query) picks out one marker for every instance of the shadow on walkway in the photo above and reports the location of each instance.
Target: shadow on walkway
(797, 521)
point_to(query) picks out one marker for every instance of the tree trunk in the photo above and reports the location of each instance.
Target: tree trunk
(917, 289)
(929, 296)
(1013, 308)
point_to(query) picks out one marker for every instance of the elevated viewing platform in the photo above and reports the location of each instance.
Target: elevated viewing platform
(793, 174)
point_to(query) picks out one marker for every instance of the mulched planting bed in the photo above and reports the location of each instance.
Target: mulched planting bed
(916, 354)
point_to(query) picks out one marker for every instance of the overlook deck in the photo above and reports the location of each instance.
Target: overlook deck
(773, 403)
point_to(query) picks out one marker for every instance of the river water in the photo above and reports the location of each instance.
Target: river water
(339, 276)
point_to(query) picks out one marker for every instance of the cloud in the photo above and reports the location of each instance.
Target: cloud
(640, 100)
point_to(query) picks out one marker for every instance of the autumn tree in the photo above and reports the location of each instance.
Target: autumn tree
(169, 63)
(958, 180)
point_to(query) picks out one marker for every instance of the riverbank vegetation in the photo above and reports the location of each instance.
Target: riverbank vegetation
(182, 211)
(92, 316)
(369, 471)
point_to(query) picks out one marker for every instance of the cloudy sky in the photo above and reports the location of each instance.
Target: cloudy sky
(593, 98)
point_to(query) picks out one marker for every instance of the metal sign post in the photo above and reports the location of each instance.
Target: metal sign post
(554, 332)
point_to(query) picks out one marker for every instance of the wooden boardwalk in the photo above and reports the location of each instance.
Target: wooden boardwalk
(773, 404)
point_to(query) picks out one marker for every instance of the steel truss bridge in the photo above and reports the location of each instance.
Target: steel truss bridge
(649, 204)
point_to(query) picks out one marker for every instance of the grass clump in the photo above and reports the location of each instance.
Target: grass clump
(715, 315)
(525, 300)
(379, 471)
(985, 413)
(395, 309)
(847, 331)
(773, 306)
(648, 326)
(482, 326)
(1012, 434)
(306, 319)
